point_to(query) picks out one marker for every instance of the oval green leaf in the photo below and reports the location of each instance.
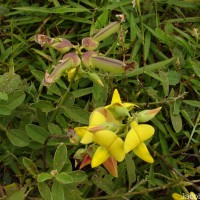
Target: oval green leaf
(18, 137)
(36, 133)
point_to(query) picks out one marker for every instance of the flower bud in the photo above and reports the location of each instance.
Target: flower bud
(86, 58)
(147, 115)
(75, 58)
(62, 45)
(108, 64)
(89, 44)
(111, 28)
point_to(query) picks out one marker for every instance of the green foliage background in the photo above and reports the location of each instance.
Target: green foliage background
(161, 37)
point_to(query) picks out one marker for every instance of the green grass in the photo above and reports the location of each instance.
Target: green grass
(160, 37)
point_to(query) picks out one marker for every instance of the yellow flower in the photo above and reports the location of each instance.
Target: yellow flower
(135, 140)
(190, 196)
(110, 144)
(100, 119)
(117, 108)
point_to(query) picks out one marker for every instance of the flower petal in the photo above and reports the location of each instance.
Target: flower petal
(81, 130)
(142, 152)
(87, 138)
(176, 196)
(100, 156)
(96, 118)
(116, 97)
(129, 106)
(86, 160)
(132, 140)
(104, 138)
(111, 165)
(144, 131)
(117, 149)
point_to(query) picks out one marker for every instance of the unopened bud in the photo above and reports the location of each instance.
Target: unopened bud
(89, 44)
(147, 115)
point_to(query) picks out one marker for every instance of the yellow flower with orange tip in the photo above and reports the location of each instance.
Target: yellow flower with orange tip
(117, 108)
(190, 196)
(98, 131)
(135, 140)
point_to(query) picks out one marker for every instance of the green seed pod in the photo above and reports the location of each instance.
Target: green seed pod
(58, 71)
(108, 64)
(61, 44)
(110, 29)
(89, 44)
(75, 58)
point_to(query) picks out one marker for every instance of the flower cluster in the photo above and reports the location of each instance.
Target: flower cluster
(114, 132)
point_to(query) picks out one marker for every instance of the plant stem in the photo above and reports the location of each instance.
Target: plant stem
(64, 97)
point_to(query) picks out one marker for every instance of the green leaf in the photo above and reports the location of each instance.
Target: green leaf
(77, 114)
(196, 68)
(36, 133)
(43, 177)
(54, 129)
(3, 96)
(60, 157)
(99, 95)
(58, 9)
(78, 176)
(192, 103)
(45, 191)
(5, 110)
(72, 193)
(174, 77)
(57, 191)
(39, 75)
(9, 82)
(165, 149)
(176, 121)
(18, 195)
(103, 181)
(18, 137)
(159, 124)
(130, 167)
(164, 82)
(45, 106)
(15, 99)
(147, 44)
(187, 117)
(171, 132)
(64, 178)
(82, 92)
(30, 166)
